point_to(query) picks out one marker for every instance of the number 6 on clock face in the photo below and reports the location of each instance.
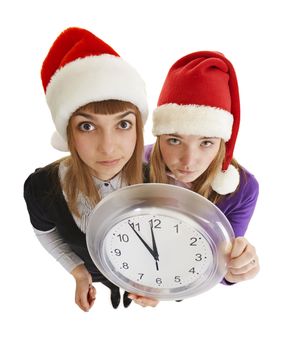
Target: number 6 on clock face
(158, 251)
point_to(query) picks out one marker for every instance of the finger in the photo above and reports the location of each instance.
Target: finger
(132, 296)
(144, 302)
(83, 304)
(92, 296)
(92, 292)
(239, 245)
(92, 302)
(82, 301)
(247, 257)
(140, 302)
(242, 277)
(246, 268)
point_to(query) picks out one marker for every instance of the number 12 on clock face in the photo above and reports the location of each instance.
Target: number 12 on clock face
(157, 252)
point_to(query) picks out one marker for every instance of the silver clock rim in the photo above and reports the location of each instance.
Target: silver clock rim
(143, 198)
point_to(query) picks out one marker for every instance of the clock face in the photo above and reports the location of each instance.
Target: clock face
(158, 252)
(160, 241)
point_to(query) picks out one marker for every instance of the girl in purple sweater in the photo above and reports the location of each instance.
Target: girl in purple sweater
(196, 124)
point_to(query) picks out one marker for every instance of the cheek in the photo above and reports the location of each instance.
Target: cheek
(128, 143)
(210, 156)
(167, 154)
(82, 145)
(215, 152)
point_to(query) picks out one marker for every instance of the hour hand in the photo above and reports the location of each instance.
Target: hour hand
(142, 240)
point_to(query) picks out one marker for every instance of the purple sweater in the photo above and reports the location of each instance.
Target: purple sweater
(238, 206)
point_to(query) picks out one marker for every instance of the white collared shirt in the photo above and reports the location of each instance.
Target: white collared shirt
(52, 240)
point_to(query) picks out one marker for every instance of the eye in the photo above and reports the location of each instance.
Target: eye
(206, 143)
(125, 124)
(85, 126)
(173, 141)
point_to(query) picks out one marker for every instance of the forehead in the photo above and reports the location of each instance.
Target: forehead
(101, 118)
(107, 107)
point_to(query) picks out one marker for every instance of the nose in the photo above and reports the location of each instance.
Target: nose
(187, 157)
(106, 143)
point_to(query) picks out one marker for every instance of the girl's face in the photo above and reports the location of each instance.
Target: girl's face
(105, 143)
(188, 156)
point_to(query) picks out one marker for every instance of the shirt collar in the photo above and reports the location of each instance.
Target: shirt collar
(103, 186)
(114, 184)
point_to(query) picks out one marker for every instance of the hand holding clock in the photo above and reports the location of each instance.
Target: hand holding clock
(143, 301)
(243, 264)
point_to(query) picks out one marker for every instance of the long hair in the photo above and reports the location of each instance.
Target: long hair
(78, 178)
(202, 185)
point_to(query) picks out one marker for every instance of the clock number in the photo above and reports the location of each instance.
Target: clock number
(141, 275)
(177, 279)
(135, 225)
(117, 252)
(159, 281)
(192, 270)
(123, 238)
(193, 241)
(125, 266)
(177, 228)
(155, 223)
(199, 257)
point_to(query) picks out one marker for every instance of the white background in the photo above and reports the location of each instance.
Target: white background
(261, 38)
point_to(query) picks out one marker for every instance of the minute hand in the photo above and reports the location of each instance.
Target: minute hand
(156, 257)
(142, 240)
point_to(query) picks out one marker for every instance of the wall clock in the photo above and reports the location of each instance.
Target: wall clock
(160, 241)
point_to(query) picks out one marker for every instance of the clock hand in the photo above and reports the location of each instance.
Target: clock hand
(156, 257)
(145, 244)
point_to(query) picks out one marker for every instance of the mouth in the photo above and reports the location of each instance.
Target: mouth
(110, 162)
(185, 172)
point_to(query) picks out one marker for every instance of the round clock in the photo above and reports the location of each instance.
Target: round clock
(160, 241)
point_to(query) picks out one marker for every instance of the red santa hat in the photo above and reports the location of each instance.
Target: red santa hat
(200, 96)
(81, 68)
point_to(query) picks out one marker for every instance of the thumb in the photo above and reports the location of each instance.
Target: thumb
(239, 245)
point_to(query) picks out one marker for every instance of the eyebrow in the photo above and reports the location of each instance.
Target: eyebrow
(92, 117)
(200, 138)
(175, 135)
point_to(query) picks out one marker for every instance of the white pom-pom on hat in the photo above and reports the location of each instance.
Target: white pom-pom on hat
(227, 181)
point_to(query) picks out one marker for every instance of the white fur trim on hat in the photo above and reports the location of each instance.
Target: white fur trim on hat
(59, 143)
(226, 181)
(91, 79)
(207, 121)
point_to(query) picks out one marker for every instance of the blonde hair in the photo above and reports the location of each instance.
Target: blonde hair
(202, 185)
(78, 178)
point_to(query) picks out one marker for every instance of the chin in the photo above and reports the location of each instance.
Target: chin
(186, 179)
(191, 177)
(109, 174)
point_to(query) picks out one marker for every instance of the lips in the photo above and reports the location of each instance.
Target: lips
(185, 172)
(109, 162)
